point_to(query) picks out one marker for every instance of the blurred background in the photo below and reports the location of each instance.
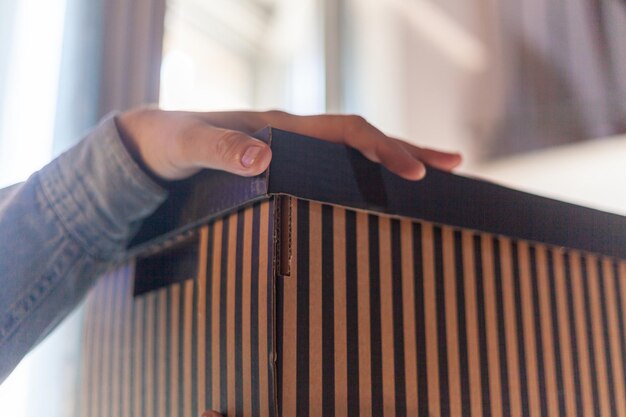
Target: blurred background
(533, 92)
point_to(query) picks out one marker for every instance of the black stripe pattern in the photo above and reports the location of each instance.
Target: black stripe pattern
(140, 354)
(534, 364)
(380, 316)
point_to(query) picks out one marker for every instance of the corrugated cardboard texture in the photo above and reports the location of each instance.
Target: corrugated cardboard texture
(379, 316)
(204, 342)
(391, 317)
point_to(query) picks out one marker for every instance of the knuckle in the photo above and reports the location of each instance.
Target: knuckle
(229, 146)
(276, 113)
(354, 125)
(357, 119)
(382, 150)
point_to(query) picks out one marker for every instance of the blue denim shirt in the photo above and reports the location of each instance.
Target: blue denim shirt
(63, 228)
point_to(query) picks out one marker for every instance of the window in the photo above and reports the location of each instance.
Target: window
(31, 41)
(234, 54)
(29, 89)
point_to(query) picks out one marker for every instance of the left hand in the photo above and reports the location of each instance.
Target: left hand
(176, 145)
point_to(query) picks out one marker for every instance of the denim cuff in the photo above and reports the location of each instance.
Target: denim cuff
(99, 193)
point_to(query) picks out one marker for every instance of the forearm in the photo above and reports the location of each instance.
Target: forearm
(60, 230)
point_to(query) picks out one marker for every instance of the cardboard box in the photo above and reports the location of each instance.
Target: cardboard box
(329, 286)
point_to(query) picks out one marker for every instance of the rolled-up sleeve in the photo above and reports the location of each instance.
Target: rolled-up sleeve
(61, 229)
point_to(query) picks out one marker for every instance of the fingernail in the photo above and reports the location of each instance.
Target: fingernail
(421, 173)
(250, 155)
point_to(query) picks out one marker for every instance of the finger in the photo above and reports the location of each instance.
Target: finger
(332, 128)
(243, 121)
(349, 130)
(356, 132)
(397, 160)
(205, 146)
(438, 159)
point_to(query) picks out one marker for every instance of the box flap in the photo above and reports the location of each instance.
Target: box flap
(316, 170)
(331, 173)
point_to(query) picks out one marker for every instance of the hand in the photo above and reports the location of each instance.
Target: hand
(211, 414)
(176, 145)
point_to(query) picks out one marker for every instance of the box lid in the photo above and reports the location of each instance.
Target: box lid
(313, 169)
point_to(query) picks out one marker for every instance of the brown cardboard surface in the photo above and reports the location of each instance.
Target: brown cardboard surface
(432, 320)
(203, 341)
(379, 316)
(327, 286)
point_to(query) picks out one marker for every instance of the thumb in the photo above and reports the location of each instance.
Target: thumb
(227, 150)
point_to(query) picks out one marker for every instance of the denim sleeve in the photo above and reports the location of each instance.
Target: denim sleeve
(63, 228)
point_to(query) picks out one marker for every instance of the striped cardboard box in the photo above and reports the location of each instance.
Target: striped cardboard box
(409, 302)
